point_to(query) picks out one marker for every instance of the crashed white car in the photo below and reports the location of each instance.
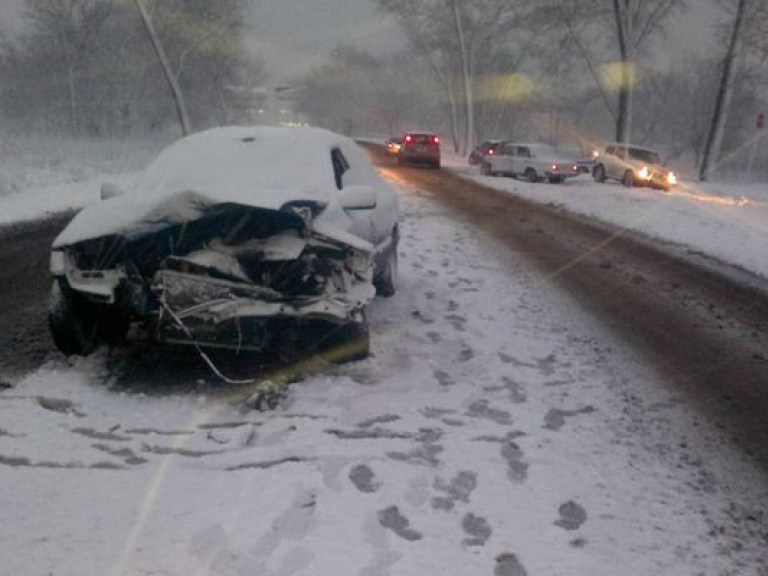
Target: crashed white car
(240, 238)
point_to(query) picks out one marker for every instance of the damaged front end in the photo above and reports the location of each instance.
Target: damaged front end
(238, 277)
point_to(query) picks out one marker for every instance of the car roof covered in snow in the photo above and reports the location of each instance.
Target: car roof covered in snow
(263, 167)
(235, 160)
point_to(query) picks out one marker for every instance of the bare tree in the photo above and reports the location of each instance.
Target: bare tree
(634, 23)
(746, 36)
(178, 95)
(84, 67)
(453, 37)
(70, 29)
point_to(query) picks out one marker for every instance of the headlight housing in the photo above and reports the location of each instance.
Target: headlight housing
(58, 264)
(671, 179)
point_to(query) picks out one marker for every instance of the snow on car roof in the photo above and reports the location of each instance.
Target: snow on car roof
(264, 167)
(630, 145)
(236, 159)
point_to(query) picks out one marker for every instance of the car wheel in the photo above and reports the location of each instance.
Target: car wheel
(72, 323)
(599, 174)
(78, 327)
(629, 179)
(386, 283)
(530, 175)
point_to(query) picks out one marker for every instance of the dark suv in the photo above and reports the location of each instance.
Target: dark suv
(420, 147)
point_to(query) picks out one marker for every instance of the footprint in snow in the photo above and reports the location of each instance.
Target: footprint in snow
(128, 455)
(384, 419)
(508, 565)
(444, 378)
(517, 394)
(555, 418)
(457, 322)
(572, 516)
(421, 318)
(517, 469)
(436, 413)
(392, 519)
(482, 410)
(477, 529)
(466, 355)
(364, 479)
(96, 435)
(434, 337)
(459, 489)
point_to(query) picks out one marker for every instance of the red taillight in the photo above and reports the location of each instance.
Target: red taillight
(436, 140)
(408, 138)
(490, 152)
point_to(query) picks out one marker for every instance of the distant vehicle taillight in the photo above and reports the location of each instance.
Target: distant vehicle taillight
(436, 140)
(408, 138)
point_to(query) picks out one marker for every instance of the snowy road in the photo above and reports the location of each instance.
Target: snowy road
(499, 429)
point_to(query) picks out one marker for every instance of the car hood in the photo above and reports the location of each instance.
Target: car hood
(135, 213)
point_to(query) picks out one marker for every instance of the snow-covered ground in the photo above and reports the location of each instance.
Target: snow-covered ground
(496, 430)
(728, 222)
(41, 176)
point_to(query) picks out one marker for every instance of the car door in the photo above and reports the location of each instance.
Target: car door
(375, 224)
(522, 159)
(502, 162)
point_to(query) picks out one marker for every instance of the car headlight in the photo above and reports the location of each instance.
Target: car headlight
(644, 173)
(671, 178)
(58, 265)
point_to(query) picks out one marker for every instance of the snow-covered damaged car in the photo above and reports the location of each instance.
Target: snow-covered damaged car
(241, 238)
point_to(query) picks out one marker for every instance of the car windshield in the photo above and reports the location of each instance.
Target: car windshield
(383, 287)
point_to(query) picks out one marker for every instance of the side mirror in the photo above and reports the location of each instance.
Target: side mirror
(358, 198)
(110, 190)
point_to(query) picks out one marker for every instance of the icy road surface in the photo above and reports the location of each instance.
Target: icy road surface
(495, 431)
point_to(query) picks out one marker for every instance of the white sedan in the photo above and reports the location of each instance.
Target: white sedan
(533, 162)
(235, 237)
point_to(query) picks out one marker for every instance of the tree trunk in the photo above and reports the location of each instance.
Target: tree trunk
(723, 100)
(72, 100)
(623, 16)
(454, 117)
(466, 73)
(178, 96)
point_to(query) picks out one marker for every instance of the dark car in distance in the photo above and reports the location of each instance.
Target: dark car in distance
(420, 148)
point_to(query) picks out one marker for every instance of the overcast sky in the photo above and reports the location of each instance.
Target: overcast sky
(296, 35)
